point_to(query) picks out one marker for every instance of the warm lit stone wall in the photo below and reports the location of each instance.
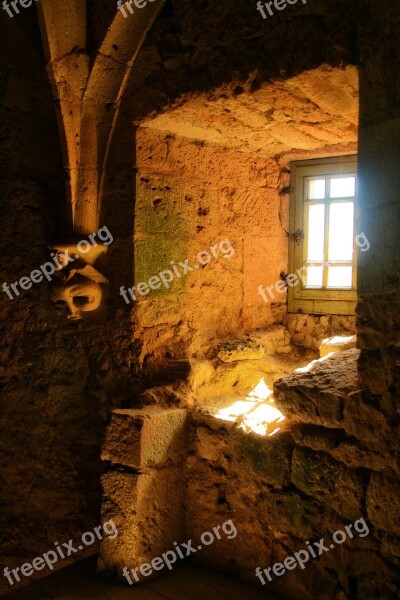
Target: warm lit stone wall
(309, 330)
(59, 379)
(324, 469)
(191, 196)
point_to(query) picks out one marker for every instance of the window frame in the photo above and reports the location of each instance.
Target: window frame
(317, 301)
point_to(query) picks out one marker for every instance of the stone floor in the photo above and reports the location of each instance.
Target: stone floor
(187, 582)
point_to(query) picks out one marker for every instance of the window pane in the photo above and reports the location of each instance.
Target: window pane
(316, 232)
(343, 187)
(314, 277)
(316, 189)
(340, 277)
(341, 231)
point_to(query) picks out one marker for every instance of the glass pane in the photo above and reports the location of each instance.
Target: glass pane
(316, 232)
(314, 276)
(341, 231)
(340, 277)
(316, 189)
(343, 187)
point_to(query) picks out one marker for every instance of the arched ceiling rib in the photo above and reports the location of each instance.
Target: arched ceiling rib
(88, 98)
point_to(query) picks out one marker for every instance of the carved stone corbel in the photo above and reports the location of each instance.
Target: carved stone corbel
(79, 282)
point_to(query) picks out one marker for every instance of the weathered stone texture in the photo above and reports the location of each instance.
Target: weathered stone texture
(309, 331)
(148, 511)
(248, 102)
(328, 481)
(58, 380)
(320, 394)
(240, 350)
(337, 344)
(383, 503)
(235, 479)
(145, 438)
(274, 339)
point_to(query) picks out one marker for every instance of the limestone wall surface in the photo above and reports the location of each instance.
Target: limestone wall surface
(61, 379)
(57, 377)
(329, 466)
(190, 197)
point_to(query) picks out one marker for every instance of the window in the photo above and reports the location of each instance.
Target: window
(322, 247)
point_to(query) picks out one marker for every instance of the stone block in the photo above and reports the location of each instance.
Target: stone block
(274, 339)
(209, 445)
(148, 512)
(356, 456)
(267, 458)
(318, 393)
(286, 514)
(264, 257)
(383, 503)
(144, 438)
(317, 438)
(337, 343)
(366, 423)
(162, 209)
(326, 480)
(154, 255)
(240, 350)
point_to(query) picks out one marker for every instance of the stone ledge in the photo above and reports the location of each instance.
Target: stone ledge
(318, 395)
(145, 438)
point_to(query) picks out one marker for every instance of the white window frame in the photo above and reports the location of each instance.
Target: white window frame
(307, 300)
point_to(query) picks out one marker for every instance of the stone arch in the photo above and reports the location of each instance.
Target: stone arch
(88, 97)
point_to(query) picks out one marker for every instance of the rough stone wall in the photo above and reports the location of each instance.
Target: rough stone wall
(338, 462)
(237, 46)
(309, 330)
(58, 379)
(378, 322)
(188, 151)
(329, 467)
(144, 490)
(190, 196)
(326, 468)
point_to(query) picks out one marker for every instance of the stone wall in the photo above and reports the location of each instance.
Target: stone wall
(328, 467)
(378, 322)
(190, 196)
(310, 330)
(59, 379)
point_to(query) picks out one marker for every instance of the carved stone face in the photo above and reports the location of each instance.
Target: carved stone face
(80, 285)
(81, 295)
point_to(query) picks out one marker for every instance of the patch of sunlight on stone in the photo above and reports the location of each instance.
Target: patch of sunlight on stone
(312, 364)
(338, 339)
(260, 419)
(256, 413)
(261, 391)
(237, 409)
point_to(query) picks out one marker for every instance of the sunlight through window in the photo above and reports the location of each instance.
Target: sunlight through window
(257, 413)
